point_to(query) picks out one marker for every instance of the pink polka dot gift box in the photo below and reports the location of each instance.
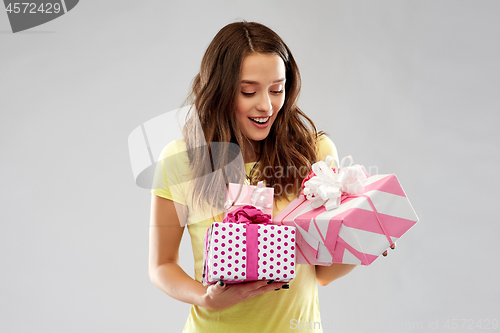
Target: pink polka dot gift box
(246, 247)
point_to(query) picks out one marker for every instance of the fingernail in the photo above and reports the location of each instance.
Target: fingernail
(276, 289)
(270, 281)
(285, 286)
(221, 283)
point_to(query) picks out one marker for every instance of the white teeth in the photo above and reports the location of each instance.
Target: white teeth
(260, 120)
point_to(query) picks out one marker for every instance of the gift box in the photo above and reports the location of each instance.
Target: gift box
(247, 247)
(347, 216)
(259, 196)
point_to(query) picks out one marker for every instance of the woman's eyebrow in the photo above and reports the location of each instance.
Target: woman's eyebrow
(255, 82)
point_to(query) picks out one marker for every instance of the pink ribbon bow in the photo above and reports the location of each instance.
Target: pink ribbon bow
(247, 214)
(251, 217)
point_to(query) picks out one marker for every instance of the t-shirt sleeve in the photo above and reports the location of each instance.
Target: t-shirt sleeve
(172, 172)
(326, 147)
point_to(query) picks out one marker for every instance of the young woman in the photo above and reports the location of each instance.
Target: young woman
(245, 96)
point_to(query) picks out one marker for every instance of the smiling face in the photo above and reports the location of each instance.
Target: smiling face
(261, 95)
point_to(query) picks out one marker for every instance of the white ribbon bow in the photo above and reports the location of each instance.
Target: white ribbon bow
(327, 187)
(258, 199)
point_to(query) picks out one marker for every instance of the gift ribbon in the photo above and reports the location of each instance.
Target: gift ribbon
(325, 187)
(252, 252)
(247, 215)
(251, 217)
(205, 259)
(377, 216)
(258, 198)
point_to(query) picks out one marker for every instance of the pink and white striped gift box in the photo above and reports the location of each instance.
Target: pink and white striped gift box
(356, 232)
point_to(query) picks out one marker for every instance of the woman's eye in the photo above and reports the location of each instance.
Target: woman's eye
(253, 93)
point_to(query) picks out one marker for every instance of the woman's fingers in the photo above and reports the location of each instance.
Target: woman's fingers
(222, 295)
(251, 289)
(255, 287)
(393, 246)
(249, 286)
(260, 287)
(217, 289)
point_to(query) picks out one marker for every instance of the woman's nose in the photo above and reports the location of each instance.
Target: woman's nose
(265, 104)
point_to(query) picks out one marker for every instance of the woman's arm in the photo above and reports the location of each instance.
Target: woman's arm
(165, 235)
(164, 271)
(326, 274)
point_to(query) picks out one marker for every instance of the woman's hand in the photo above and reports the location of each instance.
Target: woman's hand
(393, 246)
(222, 295)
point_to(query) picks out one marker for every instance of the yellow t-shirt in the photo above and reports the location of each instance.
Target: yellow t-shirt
(278, 311)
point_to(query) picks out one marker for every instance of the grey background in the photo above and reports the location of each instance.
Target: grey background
(408, 87)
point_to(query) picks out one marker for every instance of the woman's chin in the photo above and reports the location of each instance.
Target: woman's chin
(258, 138)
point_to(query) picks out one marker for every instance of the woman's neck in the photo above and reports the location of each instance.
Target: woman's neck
(252, 151)
(250, 158)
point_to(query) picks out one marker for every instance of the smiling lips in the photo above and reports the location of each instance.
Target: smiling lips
(260, 120)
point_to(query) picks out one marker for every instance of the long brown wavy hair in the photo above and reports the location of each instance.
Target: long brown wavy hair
(291, 143)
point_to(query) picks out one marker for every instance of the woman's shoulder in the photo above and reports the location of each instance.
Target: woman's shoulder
(174, 147)
(326, 147)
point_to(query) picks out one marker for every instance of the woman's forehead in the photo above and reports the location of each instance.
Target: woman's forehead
(260, 68)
